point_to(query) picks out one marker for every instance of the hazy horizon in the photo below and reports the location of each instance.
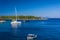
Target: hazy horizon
(44, 8)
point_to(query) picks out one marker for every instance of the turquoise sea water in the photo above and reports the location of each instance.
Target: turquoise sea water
(45, 30)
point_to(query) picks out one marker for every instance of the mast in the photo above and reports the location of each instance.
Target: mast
(16, 13)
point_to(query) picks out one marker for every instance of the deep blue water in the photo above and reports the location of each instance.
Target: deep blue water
(44, 29)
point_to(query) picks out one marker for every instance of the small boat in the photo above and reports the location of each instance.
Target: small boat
(2, 21)
(31, 36)
(25, 20)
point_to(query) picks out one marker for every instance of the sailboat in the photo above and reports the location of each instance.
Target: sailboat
(16, 22)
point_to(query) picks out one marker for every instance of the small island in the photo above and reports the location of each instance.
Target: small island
(22, 18)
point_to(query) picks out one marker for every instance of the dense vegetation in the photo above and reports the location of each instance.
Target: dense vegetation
(23, 17)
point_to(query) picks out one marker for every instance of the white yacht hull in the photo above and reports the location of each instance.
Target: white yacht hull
(16, 22)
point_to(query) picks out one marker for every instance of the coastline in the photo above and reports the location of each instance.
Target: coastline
(22, 18)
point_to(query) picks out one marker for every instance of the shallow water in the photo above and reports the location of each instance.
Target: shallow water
(45, 30)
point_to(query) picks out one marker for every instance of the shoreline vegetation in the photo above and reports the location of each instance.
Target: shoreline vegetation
(22, 18)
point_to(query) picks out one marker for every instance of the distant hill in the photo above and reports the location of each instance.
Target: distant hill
(23, 17)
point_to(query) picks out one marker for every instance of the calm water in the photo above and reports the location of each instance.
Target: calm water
(45, 30)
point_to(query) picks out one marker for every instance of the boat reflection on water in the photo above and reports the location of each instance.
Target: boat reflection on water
(15, 25)
(15, 29)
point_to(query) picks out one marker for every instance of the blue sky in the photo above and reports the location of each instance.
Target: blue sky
(44, 8)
